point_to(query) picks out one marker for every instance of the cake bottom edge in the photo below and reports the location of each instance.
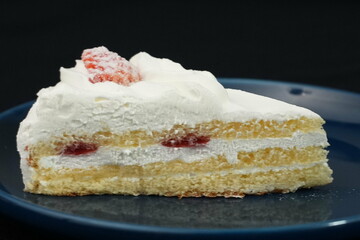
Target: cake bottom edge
(216, 184)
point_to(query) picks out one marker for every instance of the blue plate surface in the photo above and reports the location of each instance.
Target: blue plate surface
(321, 212)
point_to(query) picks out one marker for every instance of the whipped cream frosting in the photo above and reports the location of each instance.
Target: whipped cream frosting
(167, 95)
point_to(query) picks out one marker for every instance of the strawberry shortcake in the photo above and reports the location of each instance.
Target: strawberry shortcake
(148, 126)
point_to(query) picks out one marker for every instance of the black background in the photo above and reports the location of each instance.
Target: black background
(305, 42)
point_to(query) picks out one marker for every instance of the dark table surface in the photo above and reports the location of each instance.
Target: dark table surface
(11, 229)
(308, 43)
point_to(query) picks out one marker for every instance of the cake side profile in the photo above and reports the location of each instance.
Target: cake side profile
(151, 127)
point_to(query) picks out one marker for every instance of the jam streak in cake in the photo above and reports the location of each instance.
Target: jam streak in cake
(190, 140)
(79, 148)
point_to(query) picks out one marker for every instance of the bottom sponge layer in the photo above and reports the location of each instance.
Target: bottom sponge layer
(231, 183)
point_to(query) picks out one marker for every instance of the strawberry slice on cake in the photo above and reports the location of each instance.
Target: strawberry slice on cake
(104, 65)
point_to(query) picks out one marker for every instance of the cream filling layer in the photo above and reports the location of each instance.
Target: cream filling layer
(158, 153)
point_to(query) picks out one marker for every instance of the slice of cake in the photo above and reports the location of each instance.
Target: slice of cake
(149, 126)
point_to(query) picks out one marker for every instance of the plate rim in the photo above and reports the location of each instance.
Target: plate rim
(259, 81)
(9, 199)
(99, 223)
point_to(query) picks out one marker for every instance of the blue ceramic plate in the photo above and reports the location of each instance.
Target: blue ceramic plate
(322, 212)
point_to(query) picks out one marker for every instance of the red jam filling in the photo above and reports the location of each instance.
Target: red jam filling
(79, 148)
(190, 140)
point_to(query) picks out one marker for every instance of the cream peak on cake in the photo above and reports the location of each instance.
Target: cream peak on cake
(175, 131)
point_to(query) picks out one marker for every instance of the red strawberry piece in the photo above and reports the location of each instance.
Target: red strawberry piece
(104, 65)
(79, 148)
(189, 140)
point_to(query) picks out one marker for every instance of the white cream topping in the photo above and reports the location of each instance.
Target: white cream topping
(156, 153)
(167, 95)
